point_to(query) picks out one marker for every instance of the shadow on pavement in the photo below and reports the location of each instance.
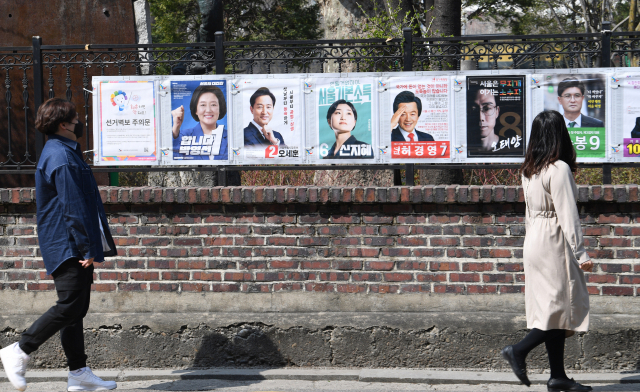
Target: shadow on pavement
(249, 347)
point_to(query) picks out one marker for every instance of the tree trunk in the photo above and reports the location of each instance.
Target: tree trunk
(447, 22)
(340, 20)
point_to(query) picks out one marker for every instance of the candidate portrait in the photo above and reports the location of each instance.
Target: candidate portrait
(406, 113)
(571, 98)
(258, 133)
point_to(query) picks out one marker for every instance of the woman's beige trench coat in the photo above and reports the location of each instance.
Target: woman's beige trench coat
(556, 294)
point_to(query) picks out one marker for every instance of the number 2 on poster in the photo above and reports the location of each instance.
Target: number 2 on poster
(271, 152)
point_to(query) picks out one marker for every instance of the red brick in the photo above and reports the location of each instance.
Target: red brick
(379, 265)
(202, 275)
(593, 278)
(442, 289)
(415, 288)
(615, 268)
(383, 288)
(363, 252)
(351, 288)
(617, 291)
(477, 267)
(398, 277)
(434, 266)
(323, 287)
(237, 276)
(630, 279)
(511, 289)
(497, 278)
(367, 276)
(431, 277)
(476, 289)
(164, 286)
(455, 277)
(444, 241)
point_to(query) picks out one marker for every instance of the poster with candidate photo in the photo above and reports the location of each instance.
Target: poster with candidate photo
(496, 116)
(417, 113)
(269, 119)
(126, 118)
(624, 100)
(345, 123)
(195, 120)
(581, 99)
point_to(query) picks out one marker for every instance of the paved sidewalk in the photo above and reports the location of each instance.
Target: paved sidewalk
(353, 376)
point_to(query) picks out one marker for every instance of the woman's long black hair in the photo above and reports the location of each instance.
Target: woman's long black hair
(549, 142)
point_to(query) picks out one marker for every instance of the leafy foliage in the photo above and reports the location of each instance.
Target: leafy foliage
(388, 21)
(245, 20)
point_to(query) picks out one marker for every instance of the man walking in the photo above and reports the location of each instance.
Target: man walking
(73, 234)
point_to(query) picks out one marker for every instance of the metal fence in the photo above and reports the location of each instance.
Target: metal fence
(35, 73)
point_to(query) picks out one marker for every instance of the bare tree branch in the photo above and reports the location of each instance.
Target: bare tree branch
(621, 23)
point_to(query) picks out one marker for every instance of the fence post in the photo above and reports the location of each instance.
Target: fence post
(37, 89)
(219, 39)
(407, 49)
(606, 44)
(606, 174)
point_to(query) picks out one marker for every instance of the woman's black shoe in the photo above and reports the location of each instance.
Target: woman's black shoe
(520, 369)
(566, 385)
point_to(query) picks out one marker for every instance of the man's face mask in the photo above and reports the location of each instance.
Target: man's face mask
(78, 130)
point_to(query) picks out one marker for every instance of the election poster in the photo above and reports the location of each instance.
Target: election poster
(625, 117)
(345, 119)
(127, 126)
(496, 111)
(580, 98)
(198, 120)
(420, 117)
(269, 119)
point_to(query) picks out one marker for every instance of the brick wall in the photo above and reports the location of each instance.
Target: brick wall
(405, 240)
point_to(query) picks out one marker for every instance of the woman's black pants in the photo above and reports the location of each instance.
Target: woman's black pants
(73, 286)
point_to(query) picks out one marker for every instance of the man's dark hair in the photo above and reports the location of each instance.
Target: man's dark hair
(193, 105)
(54, 112)
(549, 142)
(407, 97)
(333, 108)
(259, 93)
(568, 83)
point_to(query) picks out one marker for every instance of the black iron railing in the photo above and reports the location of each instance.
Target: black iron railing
(32, 74)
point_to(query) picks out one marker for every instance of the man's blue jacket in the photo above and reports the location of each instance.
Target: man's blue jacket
(69, 205)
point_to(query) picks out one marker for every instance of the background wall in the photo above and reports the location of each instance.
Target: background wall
(275, 276)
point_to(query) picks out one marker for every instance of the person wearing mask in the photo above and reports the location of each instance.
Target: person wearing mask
(73, 234)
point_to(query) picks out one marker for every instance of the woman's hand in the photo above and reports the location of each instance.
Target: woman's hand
(178, 117)
(587, 266)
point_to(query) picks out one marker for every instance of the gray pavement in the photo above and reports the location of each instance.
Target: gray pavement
(296, 379)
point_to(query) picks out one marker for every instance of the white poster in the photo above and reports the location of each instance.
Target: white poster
(127, 128)
(418, 118)
(270, 120)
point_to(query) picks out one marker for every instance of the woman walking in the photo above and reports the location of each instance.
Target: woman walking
(556, 297)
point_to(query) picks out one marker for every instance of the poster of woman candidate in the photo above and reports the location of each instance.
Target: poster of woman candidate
(268, 119)
(346, 128)
(417, 112)
(496, 116)
(195, 129)
(126, 122)
(581, 99)
(624, 97)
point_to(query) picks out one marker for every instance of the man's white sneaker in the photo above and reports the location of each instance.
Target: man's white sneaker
(15, 362)
(87, 381)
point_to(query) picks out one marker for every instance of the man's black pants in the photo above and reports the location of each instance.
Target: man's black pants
(73, 285)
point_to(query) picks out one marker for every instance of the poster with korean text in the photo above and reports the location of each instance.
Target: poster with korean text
(581, 99)
(195, 121)
(127, 122)
(419, 110)
(495, 116)
(269, 119)
(345, 120)
(624, 96)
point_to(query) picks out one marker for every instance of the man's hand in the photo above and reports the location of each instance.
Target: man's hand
(587, 266)
(268, 134)
(86, 263)
(396, 116)
(178, 117)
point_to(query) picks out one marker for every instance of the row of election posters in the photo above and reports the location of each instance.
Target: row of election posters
(407, 117)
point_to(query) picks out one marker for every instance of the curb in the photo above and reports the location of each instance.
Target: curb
(363, 375)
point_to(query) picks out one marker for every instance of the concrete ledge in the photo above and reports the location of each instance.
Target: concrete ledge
(418, 376)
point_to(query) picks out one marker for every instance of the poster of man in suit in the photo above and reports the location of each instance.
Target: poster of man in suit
(420, 117)
(272, 119)
(496, 111)
(580, 98)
